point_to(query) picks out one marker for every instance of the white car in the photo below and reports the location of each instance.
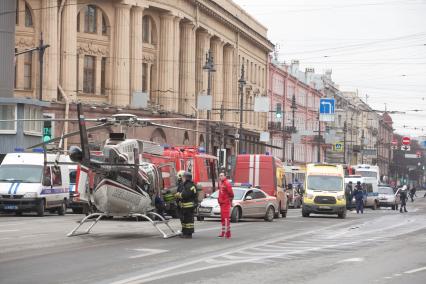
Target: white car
(247, 203)
(389, 198)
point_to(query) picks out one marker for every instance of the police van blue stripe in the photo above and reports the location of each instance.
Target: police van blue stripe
(16, 187)
(10, 188)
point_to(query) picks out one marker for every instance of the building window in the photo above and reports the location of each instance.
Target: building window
(144, 77)
(16, 69)
(7, 112)
(89, 74)
(28, 60)
(103, 74)
(17, 13)
(90, 19)
(32, 127)
(28, 17)
(78, 22)
(146, 23)
(104, 25)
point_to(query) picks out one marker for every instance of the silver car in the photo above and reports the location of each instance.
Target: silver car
(389, 198)
(247, 203)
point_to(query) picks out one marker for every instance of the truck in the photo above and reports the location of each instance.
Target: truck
(324, 190)
(31, 182)
(267, 173)
(368, 171)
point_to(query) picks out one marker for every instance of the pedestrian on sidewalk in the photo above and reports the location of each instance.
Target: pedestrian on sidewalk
(359, 198)
(226, 195)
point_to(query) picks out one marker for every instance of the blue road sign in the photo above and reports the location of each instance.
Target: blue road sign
(327, 106)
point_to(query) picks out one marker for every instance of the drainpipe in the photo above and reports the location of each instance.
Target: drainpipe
(67, 108)
(67, 104)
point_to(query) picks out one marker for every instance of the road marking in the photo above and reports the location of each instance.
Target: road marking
(147, 252)
(167, 271)
(5, 231)
(415, 270)
(397, 275)
(355, 259)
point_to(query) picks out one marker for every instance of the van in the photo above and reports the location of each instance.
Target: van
(265, 172)
(324, 190)
(370, 188)
(28, 185)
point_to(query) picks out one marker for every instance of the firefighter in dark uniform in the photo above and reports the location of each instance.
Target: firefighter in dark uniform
(187, 200)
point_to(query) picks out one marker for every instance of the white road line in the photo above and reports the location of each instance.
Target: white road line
(147, 252)
(415, 270)
(355, 259)
(6, 231)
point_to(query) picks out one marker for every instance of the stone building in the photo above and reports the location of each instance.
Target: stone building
(287, 81)
(107, 54)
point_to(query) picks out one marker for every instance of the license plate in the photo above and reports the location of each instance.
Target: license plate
(324, 207)
(204, 209)
(10, 207)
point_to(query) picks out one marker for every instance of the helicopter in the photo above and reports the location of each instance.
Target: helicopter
(124, 185)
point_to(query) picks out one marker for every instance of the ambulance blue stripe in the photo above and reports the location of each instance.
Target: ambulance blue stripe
(16, 187)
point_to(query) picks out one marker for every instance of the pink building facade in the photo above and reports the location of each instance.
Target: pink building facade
(286, 81)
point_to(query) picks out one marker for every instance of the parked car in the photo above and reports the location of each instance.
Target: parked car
(389, 198)
(248, 203)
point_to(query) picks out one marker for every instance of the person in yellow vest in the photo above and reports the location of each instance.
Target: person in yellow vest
(187, 200)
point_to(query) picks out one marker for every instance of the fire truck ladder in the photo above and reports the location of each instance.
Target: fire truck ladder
(94, 218)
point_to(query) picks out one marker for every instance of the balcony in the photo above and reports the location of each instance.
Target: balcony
(274, 126)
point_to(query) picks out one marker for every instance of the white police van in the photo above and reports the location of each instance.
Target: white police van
(28, 185)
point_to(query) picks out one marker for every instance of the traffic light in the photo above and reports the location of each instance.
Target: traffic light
(278, 113)
(47, 130)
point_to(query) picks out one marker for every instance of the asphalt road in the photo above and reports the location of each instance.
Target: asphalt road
(381, 246)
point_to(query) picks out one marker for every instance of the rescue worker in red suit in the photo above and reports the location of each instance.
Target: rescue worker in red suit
(226, 194)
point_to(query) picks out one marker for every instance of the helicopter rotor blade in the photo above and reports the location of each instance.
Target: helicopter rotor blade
(204, 132)
(90, 129)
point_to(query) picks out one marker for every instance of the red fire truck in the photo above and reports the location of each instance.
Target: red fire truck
(266, 172)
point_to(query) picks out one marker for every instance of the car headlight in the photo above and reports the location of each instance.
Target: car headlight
(30, 195)
(340, 197)
(309, 196)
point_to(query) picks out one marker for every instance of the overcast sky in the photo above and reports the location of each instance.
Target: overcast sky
(377, 47)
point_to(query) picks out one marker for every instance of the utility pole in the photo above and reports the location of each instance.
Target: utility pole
(222, 130)
(209, 66)
(283, 133)
(345, 128)
(362, 147)
(241, 83)
(41, 49)
(319, 139)
(293, 127)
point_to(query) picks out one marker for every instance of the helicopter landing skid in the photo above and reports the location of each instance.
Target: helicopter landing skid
(96, 217)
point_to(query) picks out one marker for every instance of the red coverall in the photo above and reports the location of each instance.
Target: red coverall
(226, 194)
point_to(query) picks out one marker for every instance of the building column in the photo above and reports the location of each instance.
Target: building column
(136, 49)
(121, 62)
(148, 78)
(50, 36)
(187, 69)
(167, 94)
(176, 63)
(230, 101)
(202, 47)
(69, 49)
(217, 78)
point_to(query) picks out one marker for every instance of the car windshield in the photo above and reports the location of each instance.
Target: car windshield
(238, 194)
(367, 174)
(386, 190)
(325, 183)
(21, 173)
(73, 175)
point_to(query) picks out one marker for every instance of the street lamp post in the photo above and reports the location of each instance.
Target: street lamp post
(241, 83)
(293, 127)
(209, 66)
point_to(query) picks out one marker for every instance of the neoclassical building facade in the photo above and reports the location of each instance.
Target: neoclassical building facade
(103, 52)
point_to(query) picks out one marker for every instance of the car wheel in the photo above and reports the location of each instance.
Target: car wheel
(374, 206)
(200, 218)
(18, 213)
(393, 207)
(235, 215)
(269, 216)
(342, 215)
(63, 209)
(305, 214)
(40, 208)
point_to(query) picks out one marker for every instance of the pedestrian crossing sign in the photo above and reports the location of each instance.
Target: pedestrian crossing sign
(338, 147)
